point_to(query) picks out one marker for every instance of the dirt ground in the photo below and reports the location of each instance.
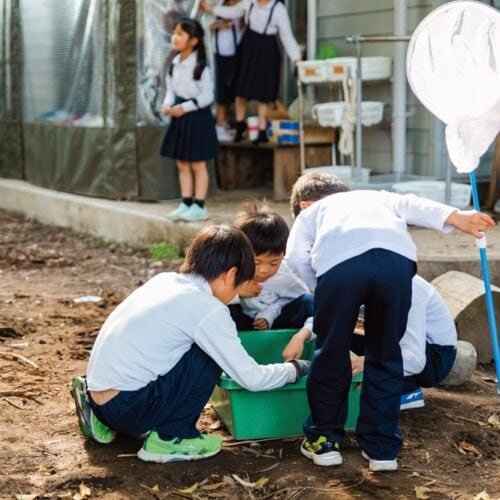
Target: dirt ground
(450, 451)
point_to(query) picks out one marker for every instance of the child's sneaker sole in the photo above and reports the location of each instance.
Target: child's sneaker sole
(146, 456)
(79, 394)
(380, 465)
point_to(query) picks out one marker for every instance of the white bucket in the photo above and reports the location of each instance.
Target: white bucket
(253, 127)
(342, 171)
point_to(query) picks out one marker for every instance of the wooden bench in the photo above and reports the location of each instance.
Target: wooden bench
(243, 165)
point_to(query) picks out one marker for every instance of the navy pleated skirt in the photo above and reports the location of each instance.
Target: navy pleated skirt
(259, 67)
(191, 137)
(225, 78)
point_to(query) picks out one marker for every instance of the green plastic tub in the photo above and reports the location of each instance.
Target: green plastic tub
(277, 413)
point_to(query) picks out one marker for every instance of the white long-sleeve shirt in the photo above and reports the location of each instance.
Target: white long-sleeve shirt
(150, 331)
(226, 40)
(344, 225)
(257, 21)
(429, 320)
(198, 93)
(277, 292)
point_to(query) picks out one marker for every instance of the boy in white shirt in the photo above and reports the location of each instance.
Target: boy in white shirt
(428, 346)
(160, 353)
(276, 297)
(353, 248)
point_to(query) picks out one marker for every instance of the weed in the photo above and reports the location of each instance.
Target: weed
(164, 251)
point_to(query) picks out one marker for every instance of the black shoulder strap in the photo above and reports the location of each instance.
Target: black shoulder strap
(248, 15)
(270, 16)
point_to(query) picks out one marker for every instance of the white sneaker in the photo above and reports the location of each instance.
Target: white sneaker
(223, 134)
(179, 211)
(380, 465)
(195, 213)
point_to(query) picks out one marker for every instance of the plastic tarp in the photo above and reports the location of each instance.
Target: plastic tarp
(83, 116)
(10, 91)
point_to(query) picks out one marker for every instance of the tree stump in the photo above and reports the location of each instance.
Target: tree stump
(464, 294)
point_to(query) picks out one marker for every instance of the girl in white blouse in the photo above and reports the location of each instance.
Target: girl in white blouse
(259, 61)
(190, 138)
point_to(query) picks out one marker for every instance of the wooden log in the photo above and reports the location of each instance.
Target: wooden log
(464, 294)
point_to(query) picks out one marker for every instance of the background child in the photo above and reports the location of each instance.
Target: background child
(160, 353)
(259, 64)
(353, 248)
(275, 297)
(190, 138)
(227, 35)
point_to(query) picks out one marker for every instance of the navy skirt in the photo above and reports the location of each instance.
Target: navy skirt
(225, 78)
(259, 67)
(191, 137)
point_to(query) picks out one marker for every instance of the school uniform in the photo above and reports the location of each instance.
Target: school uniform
(226, 45)
(164, 348)
(284, 301)
(428, 347)
(354, 248)
(192, 136)
(259, 64)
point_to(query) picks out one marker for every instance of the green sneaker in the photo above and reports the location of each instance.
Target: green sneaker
(322, 452)
(90, 425)
(156, 449)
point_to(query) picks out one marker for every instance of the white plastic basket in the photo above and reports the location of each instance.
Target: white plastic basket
(329, 114)
(375, 68)
(311, 71)
(342, 171)
(371, 112)
(335, 69)
(435, 190)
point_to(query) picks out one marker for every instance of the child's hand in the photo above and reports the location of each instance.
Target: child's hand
(261, 324)
(165, 109)
(470, 222)
(205, 7)
(357, 364)
(250, 289)
(295, 347)
(177, 111)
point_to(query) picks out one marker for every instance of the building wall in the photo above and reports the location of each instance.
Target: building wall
(340, 18)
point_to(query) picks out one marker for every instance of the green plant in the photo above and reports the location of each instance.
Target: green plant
(100, 241)
(164, 251)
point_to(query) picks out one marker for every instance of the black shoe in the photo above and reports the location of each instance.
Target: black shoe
(240, 130)
(262, 138)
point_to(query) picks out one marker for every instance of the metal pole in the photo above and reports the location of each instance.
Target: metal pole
(301, 127)
(490, 307)
(447, 184)
(399, 90)
(359, 90)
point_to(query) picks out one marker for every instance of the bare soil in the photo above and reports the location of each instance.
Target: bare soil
(450, 451)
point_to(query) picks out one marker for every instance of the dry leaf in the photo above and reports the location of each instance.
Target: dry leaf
(212, 487)
(42, 468)
(155, 488)
(25, 497)
(482, 496)
(467, 447)
(258, 484)
(191, 489)
(421, 492)
(67, 494)
(494, 421)
(84, 490)
(261, 482)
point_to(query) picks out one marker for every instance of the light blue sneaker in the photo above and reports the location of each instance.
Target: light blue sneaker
(413, 399)
(195, 213)
(179, 211)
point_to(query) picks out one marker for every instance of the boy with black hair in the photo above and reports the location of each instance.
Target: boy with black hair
(160, 353)
(353, 248)
(275, 297)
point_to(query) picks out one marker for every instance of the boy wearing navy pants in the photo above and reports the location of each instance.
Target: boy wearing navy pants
(353, 248)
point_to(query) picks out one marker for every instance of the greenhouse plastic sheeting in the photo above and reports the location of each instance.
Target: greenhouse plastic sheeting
(10, 91)
(88, 118)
